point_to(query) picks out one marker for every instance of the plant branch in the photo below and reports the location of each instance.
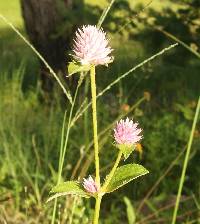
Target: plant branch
(97, 209)
(112, 172)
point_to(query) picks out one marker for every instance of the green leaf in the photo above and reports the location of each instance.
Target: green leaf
(126, 149)
(69, 187)
(130, 211)
(74, 67)
(125, 174)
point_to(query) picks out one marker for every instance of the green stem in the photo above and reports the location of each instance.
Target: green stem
(94, 117)
(86, 127)
(110, 175)
(54, 211)
(97, 209)
(186, 163)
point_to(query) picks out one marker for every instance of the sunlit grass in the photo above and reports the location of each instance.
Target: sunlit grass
(11, 9)
(157, 5)
(30, 127)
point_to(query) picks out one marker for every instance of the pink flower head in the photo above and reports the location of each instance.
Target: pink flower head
(127, 132)
(91, 46)
(90, 185)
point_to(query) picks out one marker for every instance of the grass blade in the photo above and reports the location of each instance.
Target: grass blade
(186, 162)
(171, 36)
(104, 14)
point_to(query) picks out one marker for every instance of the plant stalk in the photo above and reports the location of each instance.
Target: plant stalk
(94, 117)
(97, 209)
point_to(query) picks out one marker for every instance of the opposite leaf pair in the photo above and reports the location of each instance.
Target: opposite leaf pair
(123, 175)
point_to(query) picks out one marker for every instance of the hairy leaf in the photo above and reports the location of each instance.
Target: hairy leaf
(66, 188)
(124, 175)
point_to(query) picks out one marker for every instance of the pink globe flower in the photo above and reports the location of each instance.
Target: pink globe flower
(91, 46)
(127, 133)
(89, 185)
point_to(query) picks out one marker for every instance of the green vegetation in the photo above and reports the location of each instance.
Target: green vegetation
(31, 123)
(11, 9)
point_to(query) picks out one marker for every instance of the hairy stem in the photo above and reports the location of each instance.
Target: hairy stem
(97, 209)
(94, 117)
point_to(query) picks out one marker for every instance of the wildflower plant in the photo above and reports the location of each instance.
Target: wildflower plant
(90, 49)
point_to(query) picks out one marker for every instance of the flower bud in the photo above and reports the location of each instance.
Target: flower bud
(90, 186)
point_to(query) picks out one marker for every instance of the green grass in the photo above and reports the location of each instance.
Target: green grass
(11, 9)
(157, 5)
(12, 49)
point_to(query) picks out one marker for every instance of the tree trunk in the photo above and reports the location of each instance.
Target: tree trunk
(44, 21)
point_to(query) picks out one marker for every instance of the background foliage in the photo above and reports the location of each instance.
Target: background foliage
(30, 121)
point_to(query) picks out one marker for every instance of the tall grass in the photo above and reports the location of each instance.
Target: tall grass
(25, 142)
(186, 162)
(39, 56)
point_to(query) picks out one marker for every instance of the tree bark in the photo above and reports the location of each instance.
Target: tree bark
(42, 19)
